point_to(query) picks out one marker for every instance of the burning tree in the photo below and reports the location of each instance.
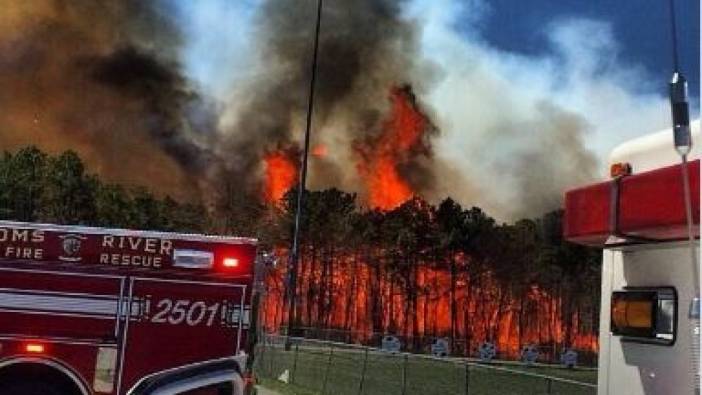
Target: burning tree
(420, 270)
(387, 158)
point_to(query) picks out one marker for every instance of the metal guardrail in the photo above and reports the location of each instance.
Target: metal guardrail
(322, 367)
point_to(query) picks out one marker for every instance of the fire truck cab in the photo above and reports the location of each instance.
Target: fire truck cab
(88, 311)
(639, 219)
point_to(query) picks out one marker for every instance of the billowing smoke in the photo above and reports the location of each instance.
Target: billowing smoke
(101, 77)
(518, 130)
(506, 132)
(366, 51)
(404, 103)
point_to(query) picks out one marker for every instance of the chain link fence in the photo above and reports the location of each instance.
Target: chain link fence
(549, 353)
(323, 367)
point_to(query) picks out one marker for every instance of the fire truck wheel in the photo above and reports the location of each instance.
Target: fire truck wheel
(32, 389)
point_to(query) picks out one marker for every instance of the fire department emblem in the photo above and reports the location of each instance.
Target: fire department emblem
(71, 247)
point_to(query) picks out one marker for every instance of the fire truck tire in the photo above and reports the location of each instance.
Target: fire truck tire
(31, 389)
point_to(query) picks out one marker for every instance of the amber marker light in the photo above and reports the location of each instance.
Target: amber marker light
(645, 314)
(34, 348)
(620, 169)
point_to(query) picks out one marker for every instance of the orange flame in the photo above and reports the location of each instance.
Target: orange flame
(382, 158)
(281, 175)
(482, 313)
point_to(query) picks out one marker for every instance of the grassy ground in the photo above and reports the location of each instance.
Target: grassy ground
(317, 371)
(285, 389)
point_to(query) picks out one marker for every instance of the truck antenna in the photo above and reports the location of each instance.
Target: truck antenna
(679, 103)
(682, 138)
(674, 35)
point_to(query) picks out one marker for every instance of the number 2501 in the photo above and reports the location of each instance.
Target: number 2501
(192, 313)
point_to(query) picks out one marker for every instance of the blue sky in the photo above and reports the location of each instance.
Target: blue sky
(641, 27)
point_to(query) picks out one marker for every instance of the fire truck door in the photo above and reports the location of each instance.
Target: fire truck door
(180, 323)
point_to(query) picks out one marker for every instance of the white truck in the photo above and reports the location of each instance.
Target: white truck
(648, 332)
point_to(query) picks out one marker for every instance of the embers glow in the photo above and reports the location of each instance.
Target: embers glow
(280, 175)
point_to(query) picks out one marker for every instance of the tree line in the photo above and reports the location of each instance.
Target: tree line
(422, 271)
(418, 271)
(38, 187)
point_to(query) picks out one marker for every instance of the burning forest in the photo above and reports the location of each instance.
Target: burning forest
(393, 254)
(421, 271)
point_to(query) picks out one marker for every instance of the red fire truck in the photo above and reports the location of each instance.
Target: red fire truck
(110, 311)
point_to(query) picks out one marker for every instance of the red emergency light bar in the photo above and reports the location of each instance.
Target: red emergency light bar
(648, 206)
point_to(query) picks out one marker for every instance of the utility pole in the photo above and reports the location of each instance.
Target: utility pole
(295, 253)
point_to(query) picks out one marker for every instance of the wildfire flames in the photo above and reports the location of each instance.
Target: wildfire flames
(382, 158)
(280, 175)
(482, 314)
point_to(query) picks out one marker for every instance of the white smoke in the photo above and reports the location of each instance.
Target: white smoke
(519, 130)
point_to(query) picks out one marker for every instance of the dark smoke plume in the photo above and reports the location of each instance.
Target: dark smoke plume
(101, 77)
(551, 161)
(366, 49)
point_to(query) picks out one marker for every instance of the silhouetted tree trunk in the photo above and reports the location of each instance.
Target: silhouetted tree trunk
(454, 310)
(351, 293)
